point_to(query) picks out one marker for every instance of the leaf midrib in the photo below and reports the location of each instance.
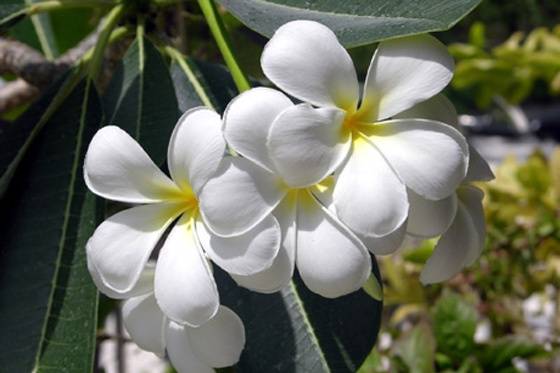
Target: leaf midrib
(342, 14)
(65, 223)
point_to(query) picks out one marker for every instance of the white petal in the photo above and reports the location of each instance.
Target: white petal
(180, 351)
(196, 148)
(307, 144)
(381, 245)
(144, 285)
(184, 285)
(144, 322)
(280, 273)
(452, 250)
(387, 244)
(330, 259)
(117, 168)
(220, 341)
(471, 197)
(437, 108)
(305, 59)
(368, 196)
(247, 120)
(121, 245)
(239, 197)
(245, 254)
(404, 72)
(479, 169)
(430, 157)
(428, 218)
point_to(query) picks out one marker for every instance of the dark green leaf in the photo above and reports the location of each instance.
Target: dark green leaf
(294, 330)
(498, 354)
(17, 137)
(48, 304)
(417, 349)
(454, 326)
(11, 11)
(45, 34)
(141, 99)
(356, 22)
(81, 21)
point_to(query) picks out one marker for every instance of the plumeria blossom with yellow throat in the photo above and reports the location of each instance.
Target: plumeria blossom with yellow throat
(330, 259)
(117, 168)
(374, 155)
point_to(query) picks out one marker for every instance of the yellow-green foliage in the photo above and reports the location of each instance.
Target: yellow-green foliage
(510, 69)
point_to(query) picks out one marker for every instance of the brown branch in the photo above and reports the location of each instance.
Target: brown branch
(15, 93)
(35, 72)
(25, 62)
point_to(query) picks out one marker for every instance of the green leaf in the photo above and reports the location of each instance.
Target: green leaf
(17, 137)
(48, 304)
(141, 99)
(498, 354)
(11, 11)
(356, 22)
(297, 331)
(294, 330)
(454, 326)
(45, 34)
(417, 349)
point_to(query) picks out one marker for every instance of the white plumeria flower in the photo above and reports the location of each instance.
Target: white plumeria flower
(459, 218)
(217, 343)
(117, 168)
(377, 157)
(331, 260)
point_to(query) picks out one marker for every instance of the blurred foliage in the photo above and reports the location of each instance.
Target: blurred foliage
(499, 311)
(510, 69)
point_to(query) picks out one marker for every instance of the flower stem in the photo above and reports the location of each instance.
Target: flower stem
(109, 24)
(220, 34)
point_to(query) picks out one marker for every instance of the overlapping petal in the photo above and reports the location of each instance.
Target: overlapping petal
(471, 197)
(179, 349)
(368, 195)
(239, 197)
(117, 168)
(437, 108)
(331, 260)
(308, 144)
(402, 73)
(428, 218)
(145, 323)
(184, 285)
(219, 341)
(245, 254)
(305, 59)
(144, 285)
(120, 247)
(479, 169)
(385, 245)
(280, 272)
(247, 121)
(196, 148)
(430, 157)
(453, 249)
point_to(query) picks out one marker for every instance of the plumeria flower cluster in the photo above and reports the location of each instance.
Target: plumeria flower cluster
(276, 185)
